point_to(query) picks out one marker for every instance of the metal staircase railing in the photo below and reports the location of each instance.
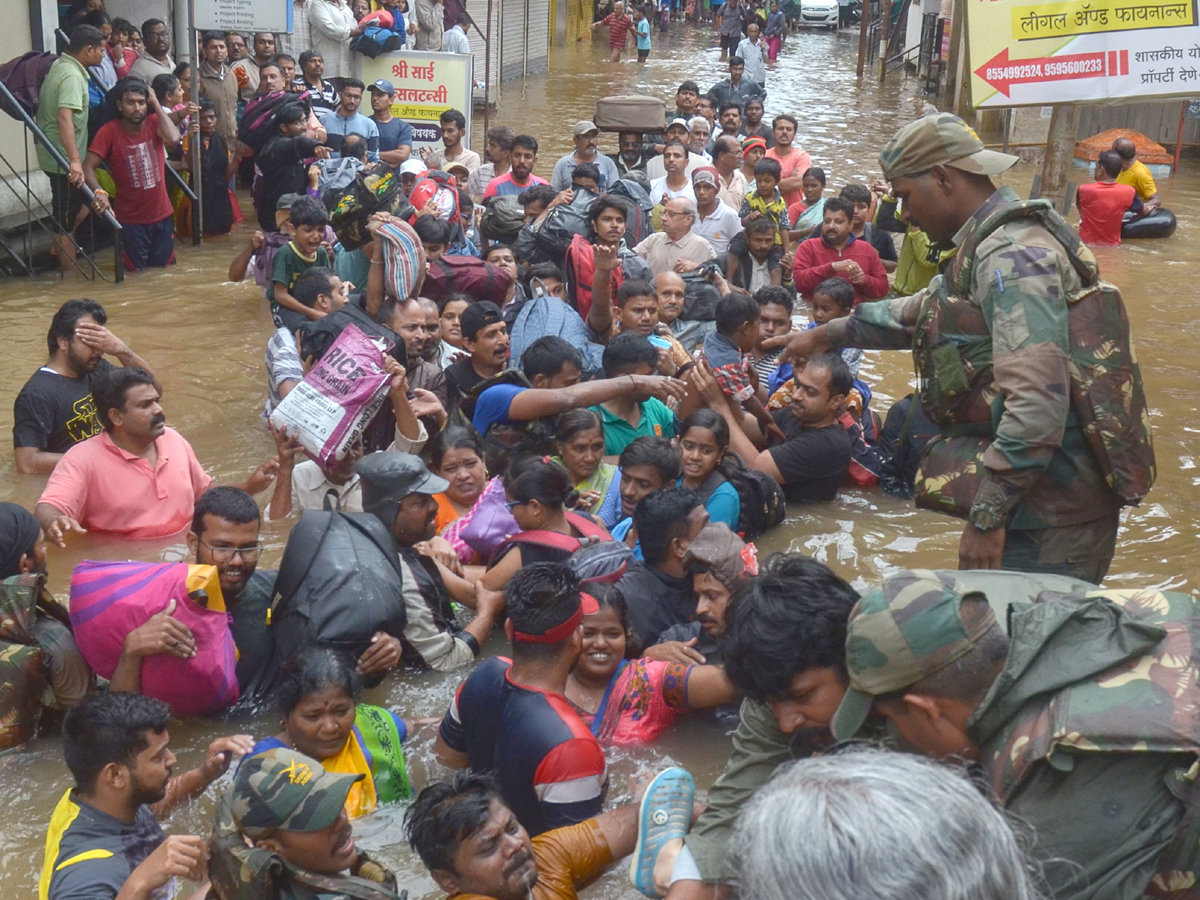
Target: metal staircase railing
(172, 175)
(39, 214)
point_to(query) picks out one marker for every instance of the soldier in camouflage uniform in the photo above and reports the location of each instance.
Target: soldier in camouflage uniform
(996, 345)
(281, 833)
(1084, 721)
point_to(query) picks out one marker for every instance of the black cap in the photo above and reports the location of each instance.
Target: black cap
(388, 477)
(478, 316)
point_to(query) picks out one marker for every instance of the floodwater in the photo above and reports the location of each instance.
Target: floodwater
(205, 339)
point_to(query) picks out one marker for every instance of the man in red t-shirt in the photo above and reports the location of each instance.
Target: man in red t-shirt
(520, 176)
(134, 148)
(618, 29)
(838, 253)
(1103, 205)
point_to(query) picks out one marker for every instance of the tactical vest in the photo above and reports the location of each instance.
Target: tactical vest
(952, 353)
(1146, 704)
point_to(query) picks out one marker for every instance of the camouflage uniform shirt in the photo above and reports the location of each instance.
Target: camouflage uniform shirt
(1039, 468)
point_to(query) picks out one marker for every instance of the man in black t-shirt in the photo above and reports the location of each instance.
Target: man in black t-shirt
(485, 337)
(812, 463)
(54, 410)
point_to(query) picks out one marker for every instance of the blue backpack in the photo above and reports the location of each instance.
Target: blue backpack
(544, 315)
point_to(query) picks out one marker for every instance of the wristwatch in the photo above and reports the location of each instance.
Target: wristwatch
(986, 518)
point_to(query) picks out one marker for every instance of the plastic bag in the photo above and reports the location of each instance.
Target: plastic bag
(335, 402)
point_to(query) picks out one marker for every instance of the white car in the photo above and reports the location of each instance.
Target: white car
(819, 12)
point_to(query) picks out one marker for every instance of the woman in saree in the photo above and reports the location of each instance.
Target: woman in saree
(626, 699)
(580, 442)
(321, 717)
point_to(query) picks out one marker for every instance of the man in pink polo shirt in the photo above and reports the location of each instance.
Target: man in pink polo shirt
(137, 478)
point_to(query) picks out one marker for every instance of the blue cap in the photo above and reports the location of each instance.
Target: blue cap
(383, 86)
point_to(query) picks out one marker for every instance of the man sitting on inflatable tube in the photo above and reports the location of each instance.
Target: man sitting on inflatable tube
(1154, 221)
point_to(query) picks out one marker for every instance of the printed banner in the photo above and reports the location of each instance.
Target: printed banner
(426, 85)
(238, 15)
(1081, 51)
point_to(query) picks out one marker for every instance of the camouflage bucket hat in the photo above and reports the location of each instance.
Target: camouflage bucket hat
(900, 632)
(940, 139)
(282, 790)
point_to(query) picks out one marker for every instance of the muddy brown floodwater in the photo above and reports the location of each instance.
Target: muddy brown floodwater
(205, 338)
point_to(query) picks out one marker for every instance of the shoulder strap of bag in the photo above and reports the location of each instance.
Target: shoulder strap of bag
(587, 527)
(538, 538)
(1043, 211)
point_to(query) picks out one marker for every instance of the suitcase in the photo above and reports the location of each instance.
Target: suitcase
(632, 112)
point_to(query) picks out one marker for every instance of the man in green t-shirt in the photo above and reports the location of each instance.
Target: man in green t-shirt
(62, 115)
(625, 417)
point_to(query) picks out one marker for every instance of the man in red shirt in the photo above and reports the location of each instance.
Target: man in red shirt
(618, 29)
(134, 147)
(838, 253)
(1102, 205)
(520, 176)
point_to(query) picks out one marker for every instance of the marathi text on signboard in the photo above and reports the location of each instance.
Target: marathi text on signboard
(425, 85)
(1075, 51)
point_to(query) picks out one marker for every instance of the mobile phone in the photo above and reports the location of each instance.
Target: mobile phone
(658, 341)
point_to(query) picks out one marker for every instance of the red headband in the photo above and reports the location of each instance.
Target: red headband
(587, 606)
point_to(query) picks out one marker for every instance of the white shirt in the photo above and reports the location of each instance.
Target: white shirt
(455, 41)
(331, 22)
(755, 56)
(660, 193)
(310, 487)
(656, 169)
(719, 228)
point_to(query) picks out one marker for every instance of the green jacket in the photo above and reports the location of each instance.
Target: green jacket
(1090, 735)
(759, 747)
(1008, 335)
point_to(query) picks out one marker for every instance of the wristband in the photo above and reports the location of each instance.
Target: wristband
(98, 191)
(469, 639)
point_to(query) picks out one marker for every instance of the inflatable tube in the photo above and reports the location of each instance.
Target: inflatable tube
(1158, 224)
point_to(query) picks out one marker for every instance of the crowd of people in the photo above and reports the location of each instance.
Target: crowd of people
(598, 389)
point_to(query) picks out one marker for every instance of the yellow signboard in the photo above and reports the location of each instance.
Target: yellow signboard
(424, 85)
(1074, 51)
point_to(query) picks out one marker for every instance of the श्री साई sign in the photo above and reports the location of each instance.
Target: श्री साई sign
(426, 85)
(1080, 51)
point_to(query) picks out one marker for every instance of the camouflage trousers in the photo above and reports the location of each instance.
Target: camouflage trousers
(1082, 551)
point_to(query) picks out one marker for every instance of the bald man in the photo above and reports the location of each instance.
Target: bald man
(671, 291)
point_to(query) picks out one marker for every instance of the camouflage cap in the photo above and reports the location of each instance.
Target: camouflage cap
(940, 139)
(900, 632)
(283, 790)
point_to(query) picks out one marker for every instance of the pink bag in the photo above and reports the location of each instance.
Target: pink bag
(491, 522)
(111, 599)
(329, 410)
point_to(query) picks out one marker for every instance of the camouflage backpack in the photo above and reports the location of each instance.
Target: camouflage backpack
(959, 393)
(1146, 704)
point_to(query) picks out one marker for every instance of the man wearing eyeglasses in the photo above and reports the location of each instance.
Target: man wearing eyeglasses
(225, 534)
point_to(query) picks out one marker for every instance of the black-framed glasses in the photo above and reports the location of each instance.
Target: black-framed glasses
(509, 504)
(225, 554)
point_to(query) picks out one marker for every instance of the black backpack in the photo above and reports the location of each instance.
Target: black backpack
(259, 122)
(638, 226)
(502, 220)
(563, 223)
(340, 581)
(762, 501)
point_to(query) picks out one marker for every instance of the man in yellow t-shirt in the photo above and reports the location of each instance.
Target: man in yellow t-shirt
(1136, 175)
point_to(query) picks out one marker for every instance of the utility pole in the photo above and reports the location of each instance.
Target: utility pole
(1060, 150)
